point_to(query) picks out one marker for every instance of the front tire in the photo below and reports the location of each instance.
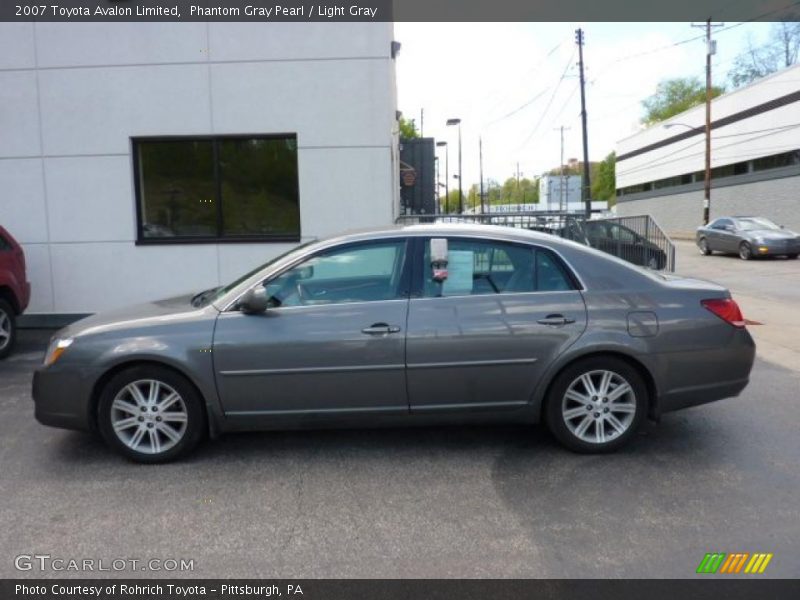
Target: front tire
(596, 405)
(150, 414)
(703, 245)
(791, 256)
(8, 328)
(745, 251)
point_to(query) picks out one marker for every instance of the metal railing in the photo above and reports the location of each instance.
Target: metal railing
(636, 239)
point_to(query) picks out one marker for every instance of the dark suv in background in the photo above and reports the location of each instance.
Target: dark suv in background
(15, 290)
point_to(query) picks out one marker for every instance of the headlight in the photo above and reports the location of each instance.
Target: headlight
(56, 349)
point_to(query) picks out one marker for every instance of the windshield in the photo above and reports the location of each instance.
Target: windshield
(756, 223)
(206, 297)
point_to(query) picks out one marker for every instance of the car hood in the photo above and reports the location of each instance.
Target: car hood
(771, 234)
(158, 312)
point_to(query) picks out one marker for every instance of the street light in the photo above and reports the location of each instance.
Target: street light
(446, 176)
(450, 123)
(707, 178)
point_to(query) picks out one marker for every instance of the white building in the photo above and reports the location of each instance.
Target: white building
(755, 159)
(559, 192)
(139, 160)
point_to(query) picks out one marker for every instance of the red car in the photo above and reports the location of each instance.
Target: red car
(15, 291)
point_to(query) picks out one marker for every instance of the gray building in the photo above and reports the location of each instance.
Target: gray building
(755, 159)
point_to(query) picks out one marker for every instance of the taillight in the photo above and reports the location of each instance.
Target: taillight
(726, 309)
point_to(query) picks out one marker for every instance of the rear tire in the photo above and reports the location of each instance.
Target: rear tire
(596, 405)
(703, 245)
(745, 251)
(151, 414)
(8, 328)
(791, 256)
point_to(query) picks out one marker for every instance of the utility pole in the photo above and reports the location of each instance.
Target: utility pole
(421, 122)
(518, 176)
(480, 163)
(587, 184)
(561, 171)
(711, 49)
(446, 176)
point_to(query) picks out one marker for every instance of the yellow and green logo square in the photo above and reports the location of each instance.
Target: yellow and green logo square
(734, 563)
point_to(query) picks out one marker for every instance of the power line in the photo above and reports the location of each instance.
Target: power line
(549, 103)
(535, 69)
(694, 38)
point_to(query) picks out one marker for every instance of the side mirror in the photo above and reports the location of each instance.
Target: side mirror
(254, 301)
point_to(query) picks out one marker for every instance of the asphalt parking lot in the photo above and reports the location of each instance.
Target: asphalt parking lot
(443, 502)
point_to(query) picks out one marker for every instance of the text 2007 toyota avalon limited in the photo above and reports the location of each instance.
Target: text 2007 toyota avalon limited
(422, 324)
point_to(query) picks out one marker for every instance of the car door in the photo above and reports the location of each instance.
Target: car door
(481, 338)
(725, 235)
(332, 340)
(712, 236)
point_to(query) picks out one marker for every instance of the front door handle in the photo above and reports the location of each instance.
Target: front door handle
(555, 320)
(380, 329)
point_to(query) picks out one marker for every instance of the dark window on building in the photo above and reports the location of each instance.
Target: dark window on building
(217, 189)
(775, 161)
(741, 168)
(721, 172)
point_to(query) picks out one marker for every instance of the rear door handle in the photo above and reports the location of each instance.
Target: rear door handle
(380, 329)
(555, 320)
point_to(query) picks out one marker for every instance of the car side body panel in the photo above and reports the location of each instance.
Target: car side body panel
(690, 355)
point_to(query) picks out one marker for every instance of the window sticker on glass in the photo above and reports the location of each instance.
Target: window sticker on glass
(460, 269)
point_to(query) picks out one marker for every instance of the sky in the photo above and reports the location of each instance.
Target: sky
(515, 84)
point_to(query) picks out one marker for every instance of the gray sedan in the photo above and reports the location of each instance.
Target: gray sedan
(413, 325)
(748, 237)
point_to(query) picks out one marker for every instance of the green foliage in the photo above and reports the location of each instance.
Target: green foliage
(526, 192)
(450, 203)
(604, 180)
(780, 52)
(674, 96)
(408, 129)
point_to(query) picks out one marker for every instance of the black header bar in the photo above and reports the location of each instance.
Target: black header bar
(398, 10)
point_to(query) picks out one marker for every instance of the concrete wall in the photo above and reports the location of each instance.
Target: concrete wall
(73, 94)
(681, 214)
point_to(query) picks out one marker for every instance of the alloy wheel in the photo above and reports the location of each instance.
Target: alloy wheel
(599, 406)
(149, 416)
(5, 329)
(744, 251)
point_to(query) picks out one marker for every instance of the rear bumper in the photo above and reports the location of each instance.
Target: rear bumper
(707, 375)
(26, 297)
(61, 399)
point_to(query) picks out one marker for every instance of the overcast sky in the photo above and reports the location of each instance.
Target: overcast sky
(504, 80)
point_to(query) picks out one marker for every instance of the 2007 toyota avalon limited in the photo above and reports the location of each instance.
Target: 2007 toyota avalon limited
(414, 325)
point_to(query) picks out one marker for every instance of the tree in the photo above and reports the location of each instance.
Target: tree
(757, 62)
(408, 129)
(449, 203)
(604, 180)
(674, 96)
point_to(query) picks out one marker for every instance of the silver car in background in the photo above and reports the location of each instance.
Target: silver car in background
(406, 325)
(748, 237)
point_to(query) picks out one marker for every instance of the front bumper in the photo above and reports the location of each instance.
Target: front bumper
(776, 248)
(62, 398)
